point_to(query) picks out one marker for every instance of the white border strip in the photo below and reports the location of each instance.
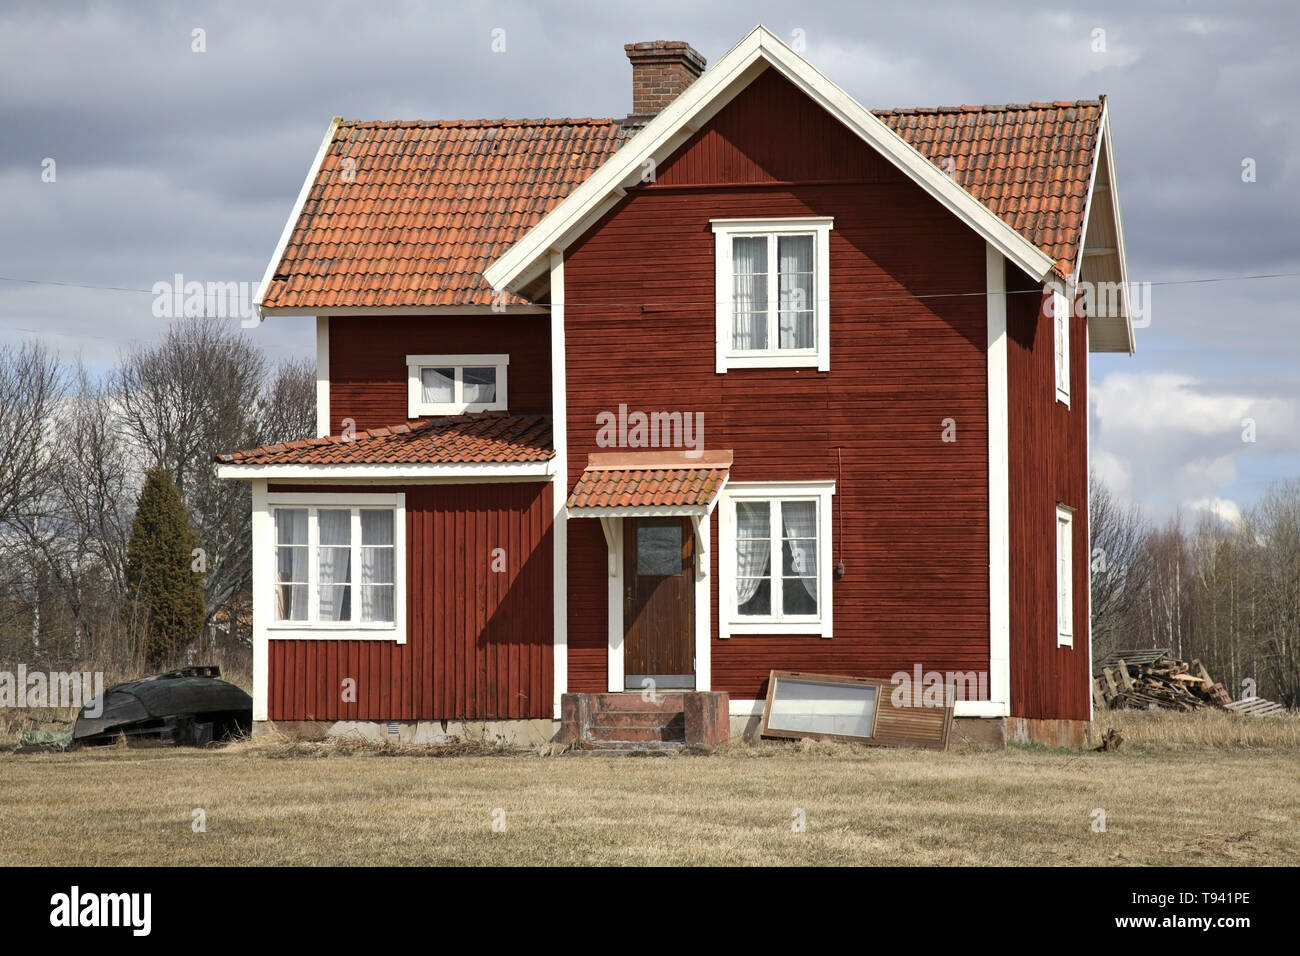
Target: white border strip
(999, 486)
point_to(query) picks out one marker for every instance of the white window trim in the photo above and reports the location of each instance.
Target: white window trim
(724, 231)
(416, 407)
(1061, 349)
(729, 620)
(264, 548)
(1064, 563)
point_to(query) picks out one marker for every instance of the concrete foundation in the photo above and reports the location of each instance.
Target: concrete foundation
(508, 733)
(1071, 734)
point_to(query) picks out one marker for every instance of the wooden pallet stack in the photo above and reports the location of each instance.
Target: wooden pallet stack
(1153, 678)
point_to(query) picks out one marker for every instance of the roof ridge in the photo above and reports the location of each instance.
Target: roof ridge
(481, 123)
(988, 107)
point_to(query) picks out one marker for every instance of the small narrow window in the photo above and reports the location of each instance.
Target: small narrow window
(1061, 322)
(1064, 577)
(456, 384)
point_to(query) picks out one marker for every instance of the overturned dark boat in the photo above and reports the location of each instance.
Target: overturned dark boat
(186, 707)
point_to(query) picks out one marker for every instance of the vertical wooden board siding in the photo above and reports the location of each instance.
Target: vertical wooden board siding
(479, 641)
(1048, 465)
(908, 350)
(368, 378)
(588, 607)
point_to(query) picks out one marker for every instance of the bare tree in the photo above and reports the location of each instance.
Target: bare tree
(1120, 565)
(289, 407)
(195, 394)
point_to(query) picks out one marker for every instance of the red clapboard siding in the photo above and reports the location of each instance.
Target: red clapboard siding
(479, 641)
(368, 361)
(772, 133)
(1048, 465)
(911, 512)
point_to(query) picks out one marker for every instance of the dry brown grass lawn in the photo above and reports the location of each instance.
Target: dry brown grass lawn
(1220, 793)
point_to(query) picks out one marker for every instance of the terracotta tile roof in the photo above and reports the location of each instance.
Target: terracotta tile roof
(433, 204)
(429, 206)
(484, 437)
(1030, 164)
(668, 481)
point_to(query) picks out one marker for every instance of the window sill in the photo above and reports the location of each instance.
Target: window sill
(815, 628)
(325, 632)
(1064, 640)
(1063, 398)
(772, 360)
(425, 411)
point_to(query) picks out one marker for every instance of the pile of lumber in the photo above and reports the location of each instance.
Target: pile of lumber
(1150, 679)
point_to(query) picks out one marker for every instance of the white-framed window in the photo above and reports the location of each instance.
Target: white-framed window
(337, 566)
(773, 293)
(454, 384)
(1064, 576)
(774, 558)
(1061, 337)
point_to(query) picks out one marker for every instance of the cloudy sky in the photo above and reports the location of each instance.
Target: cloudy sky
(167, 160)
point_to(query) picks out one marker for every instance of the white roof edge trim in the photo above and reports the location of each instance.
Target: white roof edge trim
(1104, 145)
(301, 201)
(1119, 228)
(540, 469)
(554, 229)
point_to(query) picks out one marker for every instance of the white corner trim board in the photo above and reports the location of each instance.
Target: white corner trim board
(559, 471)
(999, 479)
(757, 51)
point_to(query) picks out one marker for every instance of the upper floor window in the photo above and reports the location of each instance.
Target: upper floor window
(773, 295)
(1061, 324)
(453, 384)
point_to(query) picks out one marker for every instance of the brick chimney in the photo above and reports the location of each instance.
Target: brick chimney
(661, 69)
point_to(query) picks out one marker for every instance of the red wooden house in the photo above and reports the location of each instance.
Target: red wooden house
(752, 379)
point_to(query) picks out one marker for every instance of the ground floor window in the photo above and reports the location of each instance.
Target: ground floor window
(336, 562)
(774, 548)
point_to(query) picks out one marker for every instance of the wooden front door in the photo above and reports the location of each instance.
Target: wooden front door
(658, 602)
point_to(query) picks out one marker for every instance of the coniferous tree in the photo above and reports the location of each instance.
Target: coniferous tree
(161, 573)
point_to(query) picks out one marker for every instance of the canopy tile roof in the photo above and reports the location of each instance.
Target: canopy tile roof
(671, 479)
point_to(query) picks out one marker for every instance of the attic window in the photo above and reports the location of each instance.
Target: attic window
(772, 292)
(455, 384)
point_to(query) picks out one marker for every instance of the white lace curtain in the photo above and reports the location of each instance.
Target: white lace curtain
(335, 564)
(753, 548)
(749, 266)
(799, 524)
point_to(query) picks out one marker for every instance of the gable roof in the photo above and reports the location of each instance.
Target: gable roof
(759, 50)
(438, 214)
(410, 214)
(486, 437)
